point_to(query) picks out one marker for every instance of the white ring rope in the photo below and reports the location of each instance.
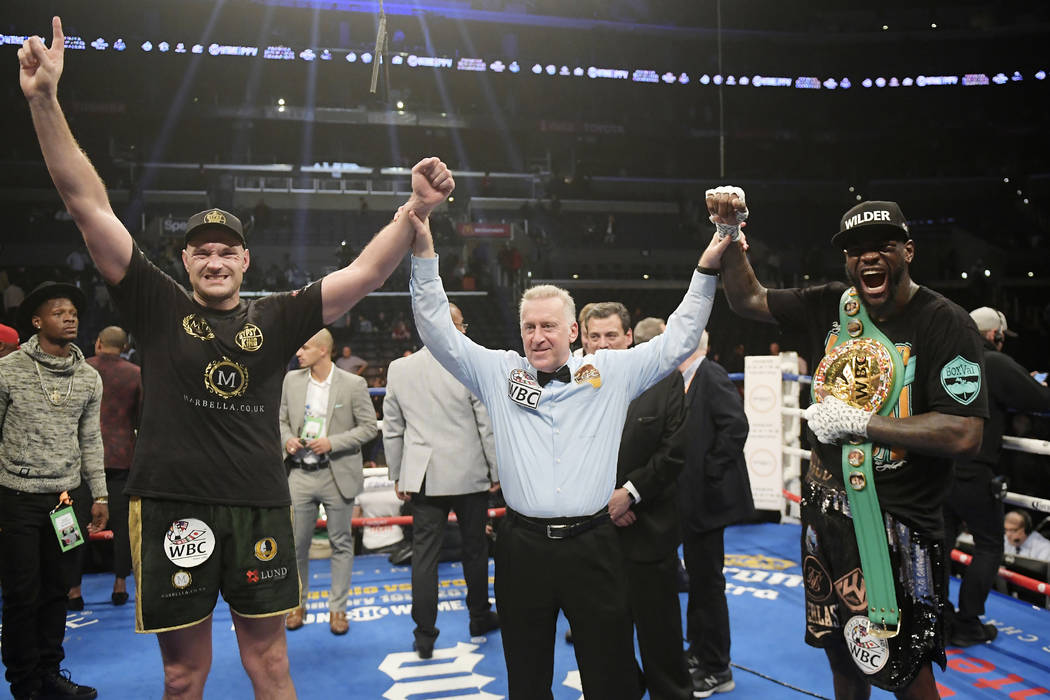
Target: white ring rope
(1010, 442)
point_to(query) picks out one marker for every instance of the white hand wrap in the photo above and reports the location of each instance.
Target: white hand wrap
(834, 420)
(725, 229)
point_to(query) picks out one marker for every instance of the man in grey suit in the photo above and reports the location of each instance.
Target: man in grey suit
(326, 416)
(441, 456)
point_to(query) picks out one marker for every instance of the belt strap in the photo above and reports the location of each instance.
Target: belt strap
(859, 477)
(561, 528)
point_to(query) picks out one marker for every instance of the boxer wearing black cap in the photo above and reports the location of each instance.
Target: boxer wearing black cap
(937, 416)
(209, 511)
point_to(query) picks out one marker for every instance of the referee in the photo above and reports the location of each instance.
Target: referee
(557, 422)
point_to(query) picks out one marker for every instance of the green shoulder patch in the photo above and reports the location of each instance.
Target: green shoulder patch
(961, 379)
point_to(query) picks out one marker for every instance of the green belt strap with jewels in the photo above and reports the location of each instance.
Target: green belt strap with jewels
(865, 370)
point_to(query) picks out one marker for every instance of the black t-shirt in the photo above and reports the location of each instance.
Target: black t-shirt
(211, 388)
(939, 347)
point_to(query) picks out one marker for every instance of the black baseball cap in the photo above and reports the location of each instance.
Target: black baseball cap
(214, 218)
(871, 219)
(46, 291)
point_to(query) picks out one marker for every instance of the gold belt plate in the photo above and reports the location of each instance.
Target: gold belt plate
(858, 372)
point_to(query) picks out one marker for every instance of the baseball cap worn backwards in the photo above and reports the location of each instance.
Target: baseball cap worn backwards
(989, 319)
(868, 220)
(214, 218)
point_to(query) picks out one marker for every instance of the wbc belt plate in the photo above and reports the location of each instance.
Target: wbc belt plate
(859, 372)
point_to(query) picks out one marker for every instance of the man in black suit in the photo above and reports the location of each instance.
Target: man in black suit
(714, 491)
(643, 506)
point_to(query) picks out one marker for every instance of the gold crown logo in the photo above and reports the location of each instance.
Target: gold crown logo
(214, 217)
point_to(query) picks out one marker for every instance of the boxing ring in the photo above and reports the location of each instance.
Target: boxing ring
(764, 589)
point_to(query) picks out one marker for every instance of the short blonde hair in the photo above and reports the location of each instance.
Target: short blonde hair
(548, 291)
(647, 329)
(323, 338)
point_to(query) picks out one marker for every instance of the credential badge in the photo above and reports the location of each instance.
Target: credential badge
(249, 338)
(523, 389)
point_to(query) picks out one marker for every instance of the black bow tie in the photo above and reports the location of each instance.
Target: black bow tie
(562, 375)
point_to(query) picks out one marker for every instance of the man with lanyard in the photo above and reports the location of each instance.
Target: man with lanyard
(210, 501)
(49, 439)
(903, 446)
(557, 422)
(326, 417)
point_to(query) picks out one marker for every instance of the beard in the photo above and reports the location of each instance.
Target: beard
(894, 276)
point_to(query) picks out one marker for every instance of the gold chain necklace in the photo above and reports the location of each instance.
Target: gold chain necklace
(54, 396)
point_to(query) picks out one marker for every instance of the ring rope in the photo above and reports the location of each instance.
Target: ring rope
(1021, 580)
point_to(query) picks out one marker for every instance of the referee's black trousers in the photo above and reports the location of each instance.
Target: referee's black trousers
(582, 576)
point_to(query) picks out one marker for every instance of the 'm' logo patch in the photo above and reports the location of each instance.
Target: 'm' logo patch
(226, 378)
(868, 651)
(818, 582)
(196, 326)
(523, 389)
(189, 542)
(961, 379)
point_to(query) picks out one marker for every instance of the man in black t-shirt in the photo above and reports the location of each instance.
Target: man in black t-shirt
(938, 417)
(210, 502)
(973, 498)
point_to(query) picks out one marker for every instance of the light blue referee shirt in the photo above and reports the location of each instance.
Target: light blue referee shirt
(557, 457)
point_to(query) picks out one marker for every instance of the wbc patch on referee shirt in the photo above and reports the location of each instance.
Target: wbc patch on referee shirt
(588, 374)
(523, 389)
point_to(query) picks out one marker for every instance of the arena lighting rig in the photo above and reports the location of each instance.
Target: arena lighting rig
(543, 69)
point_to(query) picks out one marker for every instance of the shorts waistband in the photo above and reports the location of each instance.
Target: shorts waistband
(560, 528)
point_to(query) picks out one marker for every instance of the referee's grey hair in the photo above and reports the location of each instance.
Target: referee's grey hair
(647, 329)
(548, 291)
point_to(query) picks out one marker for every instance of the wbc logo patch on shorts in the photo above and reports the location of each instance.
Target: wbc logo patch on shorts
(523, 389)
(189, 542)
(869, 652)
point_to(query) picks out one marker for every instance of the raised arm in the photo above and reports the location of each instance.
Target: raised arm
(746, 296)
(432, 183)
(454, 351)
(80, 187)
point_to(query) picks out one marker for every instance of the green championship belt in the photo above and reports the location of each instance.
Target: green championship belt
(864, 370)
